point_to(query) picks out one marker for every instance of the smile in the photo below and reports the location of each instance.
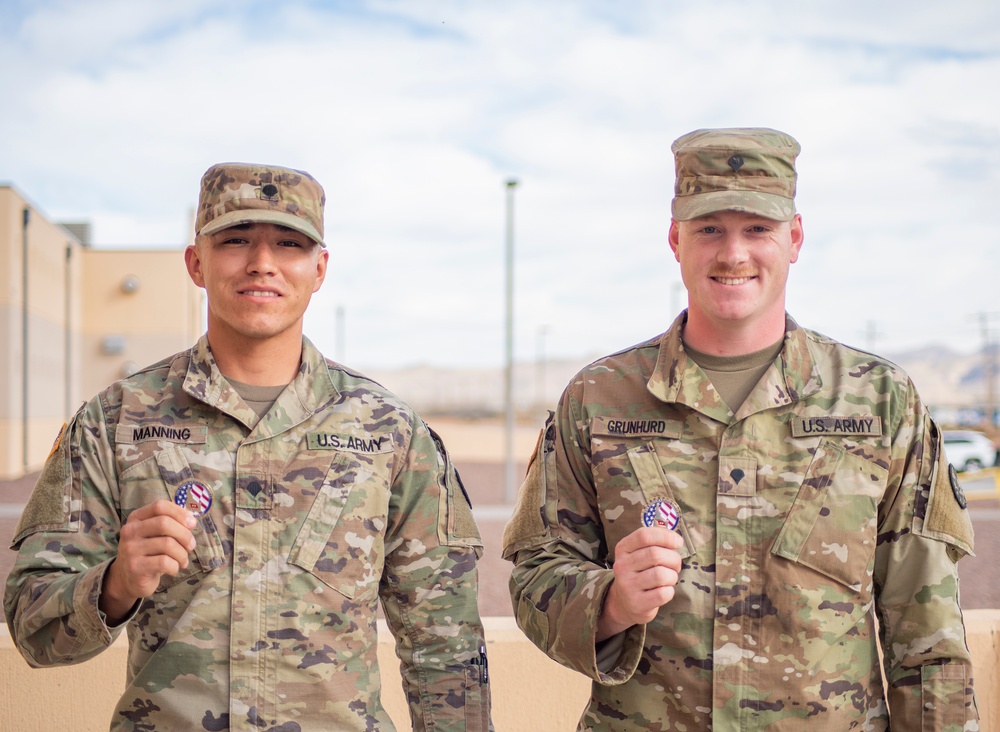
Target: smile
(732, 280)
(260, 293)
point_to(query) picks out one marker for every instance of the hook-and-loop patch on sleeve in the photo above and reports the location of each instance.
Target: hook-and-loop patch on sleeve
(947, 517)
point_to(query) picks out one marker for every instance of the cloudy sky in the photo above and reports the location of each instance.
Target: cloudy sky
(414, 113)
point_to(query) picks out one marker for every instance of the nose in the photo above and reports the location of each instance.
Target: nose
(260, 260)
(734, 250)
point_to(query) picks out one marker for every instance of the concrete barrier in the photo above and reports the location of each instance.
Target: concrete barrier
(529, 691)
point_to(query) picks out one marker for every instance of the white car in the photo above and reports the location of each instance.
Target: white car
(969, 450)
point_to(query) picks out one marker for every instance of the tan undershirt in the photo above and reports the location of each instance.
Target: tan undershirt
(734, 377)
(259, 398)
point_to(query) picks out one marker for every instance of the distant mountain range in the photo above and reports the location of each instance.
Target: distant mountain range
(952, 384)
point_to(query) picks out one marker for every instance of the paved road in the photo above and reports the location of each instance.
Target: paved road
(979, 575)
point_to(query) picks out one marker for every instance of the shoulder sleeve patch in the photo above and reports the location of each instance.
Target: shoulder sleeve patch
(947, 517)
(55, 445)
(527, 527)
(49, 507)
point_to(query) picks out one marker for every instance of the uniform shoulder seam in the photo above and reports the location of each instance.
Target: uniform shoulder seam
(654, 342)
(860, 353)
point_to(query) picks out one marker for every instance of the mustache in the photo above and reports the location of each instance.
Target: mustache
(732, 273)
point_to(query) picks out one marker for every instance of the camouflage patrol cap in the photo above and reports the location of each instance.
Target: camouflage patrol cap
(243, 193)
(738, 169)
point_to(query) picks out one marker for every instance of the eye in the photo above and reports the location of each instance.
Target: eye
(710, 230)
(760, 229)
(289, 243)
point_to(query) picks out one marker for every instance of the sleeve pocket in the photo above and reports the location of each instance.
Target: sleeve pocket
(942, 697)
(477, 699)
(456, 524)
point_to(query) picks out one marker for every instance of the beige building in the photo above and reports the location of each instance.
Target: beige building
(73, 319)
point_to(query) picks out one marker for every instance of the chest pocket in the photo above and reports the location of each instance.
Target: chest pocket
(832, 525)
(342, 540)
(159, 477)
(626, 484)
(655, 486)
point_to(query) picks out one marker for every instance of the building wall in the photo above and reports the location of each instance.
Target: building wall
(51, 382)
(162, 316)
(75, 302)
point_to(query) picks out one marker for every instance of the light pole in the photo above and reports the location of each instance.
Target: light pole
(340, 334)
(509, 488)
(675, 298)
(24, 338)
(540, 368)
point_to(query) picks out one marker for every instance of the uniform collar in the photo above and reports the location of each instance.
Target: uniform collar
(310, 390)
(794, 375)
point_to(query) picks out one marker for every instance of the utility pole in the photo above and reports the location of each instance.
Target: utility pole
(871, 335)
(509, 487)
(340, 335)
(989, 369)
(68, 334)
(675, 299)
(540, 367)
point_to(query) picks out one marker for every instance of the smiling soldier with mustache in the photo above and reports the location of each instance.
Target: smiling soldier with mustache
(718, 523)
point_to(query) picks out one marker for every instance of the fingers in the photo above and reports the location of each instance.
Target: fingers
(166, 509)
(155, 540)
(652, 577)
(161, 519)
(647, 567)
(650, 536)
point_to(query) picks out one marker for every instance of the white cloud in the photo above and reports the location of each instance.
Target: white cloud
(413, 114)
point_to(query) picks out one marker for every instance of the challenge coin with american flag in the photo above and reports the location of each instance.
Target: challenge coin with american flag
(195, 497)
(661, 513)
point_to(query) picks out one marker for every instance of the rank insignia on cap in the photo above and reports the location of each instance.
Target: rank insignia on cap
(195, 497)
(661, 513)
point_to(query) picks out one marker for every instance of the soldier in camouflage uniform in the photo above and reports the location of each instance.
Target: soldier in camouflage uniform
(720, 526)
(241, 508)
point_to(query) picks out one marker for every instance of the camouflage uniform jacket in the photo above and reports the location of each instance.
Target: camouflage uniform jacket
(818, 516)
(339, 496)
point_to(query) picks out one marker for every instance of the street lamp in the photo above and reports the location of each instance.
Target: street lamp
(543, 331)
(509, 487)
(26, 219)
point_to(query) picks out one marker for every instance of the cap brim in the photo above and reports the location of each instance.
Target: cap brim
(260, 216)
(768, 205)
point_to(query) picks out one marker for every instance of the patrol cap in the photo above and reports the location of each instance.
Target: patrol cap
(750, 169)
(244, 193)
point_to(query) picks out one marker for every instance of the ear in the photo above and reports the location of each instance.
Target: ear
(672, 237)
(192, 261)
(797, 235)
(321, 263)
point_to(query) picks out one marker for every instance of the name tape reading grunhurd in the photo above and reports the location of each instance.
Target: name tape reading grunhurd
(865, 425)
(634, 427)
